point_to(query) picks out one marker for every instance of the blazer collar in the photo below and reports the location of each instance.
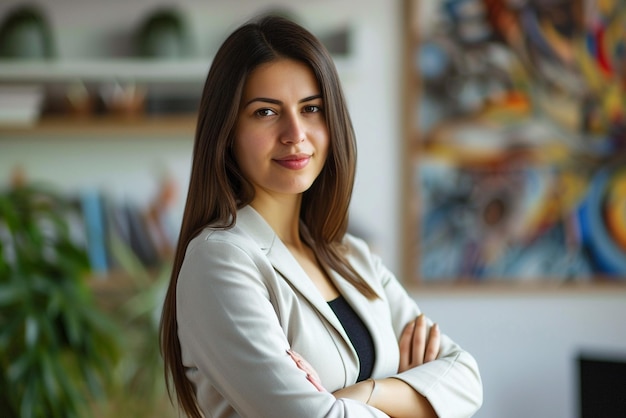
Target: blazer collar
(285, 263)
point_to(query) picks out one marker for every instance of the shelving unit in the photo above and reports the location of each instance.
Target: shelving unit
(91, 128)
(103, 70)
(175, 76)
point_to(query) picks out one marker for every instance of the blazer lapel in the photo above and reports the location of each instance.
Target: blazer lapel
(285, 264)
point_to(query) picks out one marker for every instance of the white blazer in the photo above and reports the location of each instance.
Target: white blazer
(243, 300)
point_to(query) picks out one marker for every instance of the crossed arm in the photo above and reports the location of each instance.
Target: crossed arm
(418, 345)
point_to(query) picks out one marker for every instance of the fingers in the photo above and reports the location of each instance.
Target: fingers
(405, 345)
(419, 341)
(315, 381)
(311, 373)
(418, 344)
(434, 340)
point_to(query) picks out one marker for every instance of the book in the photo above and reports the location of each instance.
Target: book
(94, 220)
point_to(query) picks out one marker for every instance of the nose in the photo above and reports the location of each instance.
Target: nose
(293, 130)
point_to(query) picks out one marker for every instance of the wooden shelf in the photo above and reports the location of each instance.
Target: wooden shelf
(182, 126)
(99, 70)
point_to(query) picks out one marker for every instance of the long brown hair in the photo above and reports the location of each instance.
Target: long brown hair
(217, 188)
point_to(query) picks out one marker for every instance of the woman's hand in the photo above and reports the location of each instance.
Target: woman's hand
(417, 346)
(304, 365)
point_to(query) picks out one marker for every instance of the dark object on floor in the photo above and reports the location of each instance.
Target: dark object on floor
(602, 385)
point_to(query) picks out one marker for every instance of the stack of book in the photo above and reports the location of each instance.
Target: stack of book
(146, 233)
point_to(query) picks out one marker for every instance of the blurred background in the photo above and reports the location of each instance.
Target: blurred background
(490, 179)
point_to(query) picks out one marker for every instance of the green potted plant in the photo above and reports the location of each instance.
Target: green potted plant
(57, 349)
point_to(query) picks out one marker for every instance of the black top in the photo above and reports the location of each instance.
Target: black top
(358, 333)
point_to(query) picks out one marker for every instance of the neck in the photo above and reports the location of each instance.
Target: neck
(283, 215)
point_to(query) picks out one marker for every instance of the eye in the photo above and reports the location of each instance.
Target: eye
(265, 112)
(312, 109)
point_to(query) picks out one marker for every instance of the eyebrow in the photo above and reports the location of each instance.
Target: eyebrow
(278, 102)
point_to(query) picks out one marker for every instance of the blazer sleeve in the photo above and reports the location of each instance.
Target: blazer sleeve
(452, 382)
(232, 341)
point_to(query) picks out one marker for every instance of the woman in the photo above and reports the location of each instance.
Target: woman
(273, 310)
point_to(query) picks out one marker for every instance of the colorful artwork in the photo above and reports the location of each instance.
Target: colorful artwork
(521, 165)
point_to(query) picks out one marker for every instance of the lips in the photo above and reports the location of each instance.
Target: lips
(294, 162)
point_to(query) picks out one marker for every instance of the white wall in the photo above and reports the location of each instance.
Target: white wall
(525, 344)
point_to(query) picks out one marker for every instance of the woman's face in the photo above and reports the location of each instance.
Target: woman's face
(281, 139)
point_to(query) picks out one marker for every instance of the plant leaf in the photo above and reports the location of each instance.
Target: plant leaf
(31, 333)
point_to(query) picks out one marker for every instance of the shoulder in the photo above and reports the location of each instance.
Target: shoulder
(211, 236)
(223, 261)
(250, 234)
(356, 242)
(245, 245)
(358, 253)
(225, 244)
(358, 250)
(367, 263)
